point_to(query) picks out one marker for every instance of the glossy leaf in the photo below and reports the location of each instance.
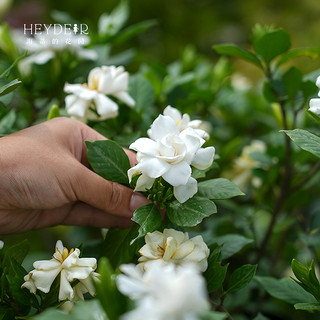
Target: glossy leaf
(232, 244)
(148, 217)
(142, 92)
(108, 160)
(235, 51)
(305, 140)
(9, 87)
(241, 277)
(54, 112)
(191, 212)
(116, 246)
(299, 52)
(272, 44)
(285, 289)
(307, 306)
(218, 189)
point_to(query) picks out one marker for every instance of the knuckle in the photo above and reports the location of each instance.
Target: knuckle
(115, 200)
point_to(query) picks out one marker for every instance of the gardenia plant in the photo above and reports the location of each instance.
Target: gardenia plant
(164, 292)
(172, 246)
(70, 267)
(170, 154)
(89, 101)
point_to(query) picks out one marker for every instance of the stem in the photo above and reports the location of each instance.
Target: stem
(284, 192)
(222, 308)
(310, 175)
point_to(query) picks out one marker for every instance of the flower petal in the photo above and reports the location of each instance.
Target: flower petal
(315, 106)
(171, 247)
(75, 106)
(125, 97)
(43, 279)
(184, 249)
(65, 291)
(106, 108)
(178, 174)
(172, 113)
(145, 146)
(143, 183)
(184, 192)
(162, 126)
(153, 167)
(155, 240)
(203, 158)
(178, 235)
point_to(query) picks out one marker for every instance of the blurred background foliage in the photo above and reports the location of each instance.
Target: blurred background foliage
(200, 23)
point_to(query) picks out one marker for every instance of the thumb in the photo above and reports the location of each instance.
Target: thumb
(105, 195)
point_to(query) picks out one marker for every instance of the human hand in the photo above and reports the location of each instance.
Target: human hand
(46, 181)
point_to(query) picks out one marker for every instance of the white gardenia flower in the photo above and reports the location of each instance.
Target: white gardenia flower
(70, 267)
(183, 122)
(169, 155)
(174, 246)
(106, 80)
(44, 46)
(315, 103)
(1, 244)
(164, 292)
(241, 173)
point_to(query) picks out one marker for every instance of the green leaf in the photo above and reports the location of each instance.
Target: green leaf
(285, 289)
(215, 275)
(111, 24)
(218, 189)
(292, 80)
(9, 87)
(52, 314)
(108, 160)
(308, 88)
(116, 246)
(213, 315)
(191, 212)
(8, 121)
(54, 112)
(235, 51)
(299, 52)
(313, 115)
(269, 92)
(6, 73)
(307, 277)
(148, 217)
(112, 301)
(20, 296)
(18, 252)
(260, 317)
(307, 306)
(305, 140)
(6, 313)
(134, 30)
(82, 310)
(142, 92)
(232, 244)
(241, 277)
(272, 44)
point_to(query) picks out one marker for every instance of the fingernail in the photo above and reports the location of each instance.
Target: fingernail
(137, 200)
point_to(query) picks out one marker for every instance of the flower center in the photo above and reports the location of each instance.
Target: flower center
(61, 256)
